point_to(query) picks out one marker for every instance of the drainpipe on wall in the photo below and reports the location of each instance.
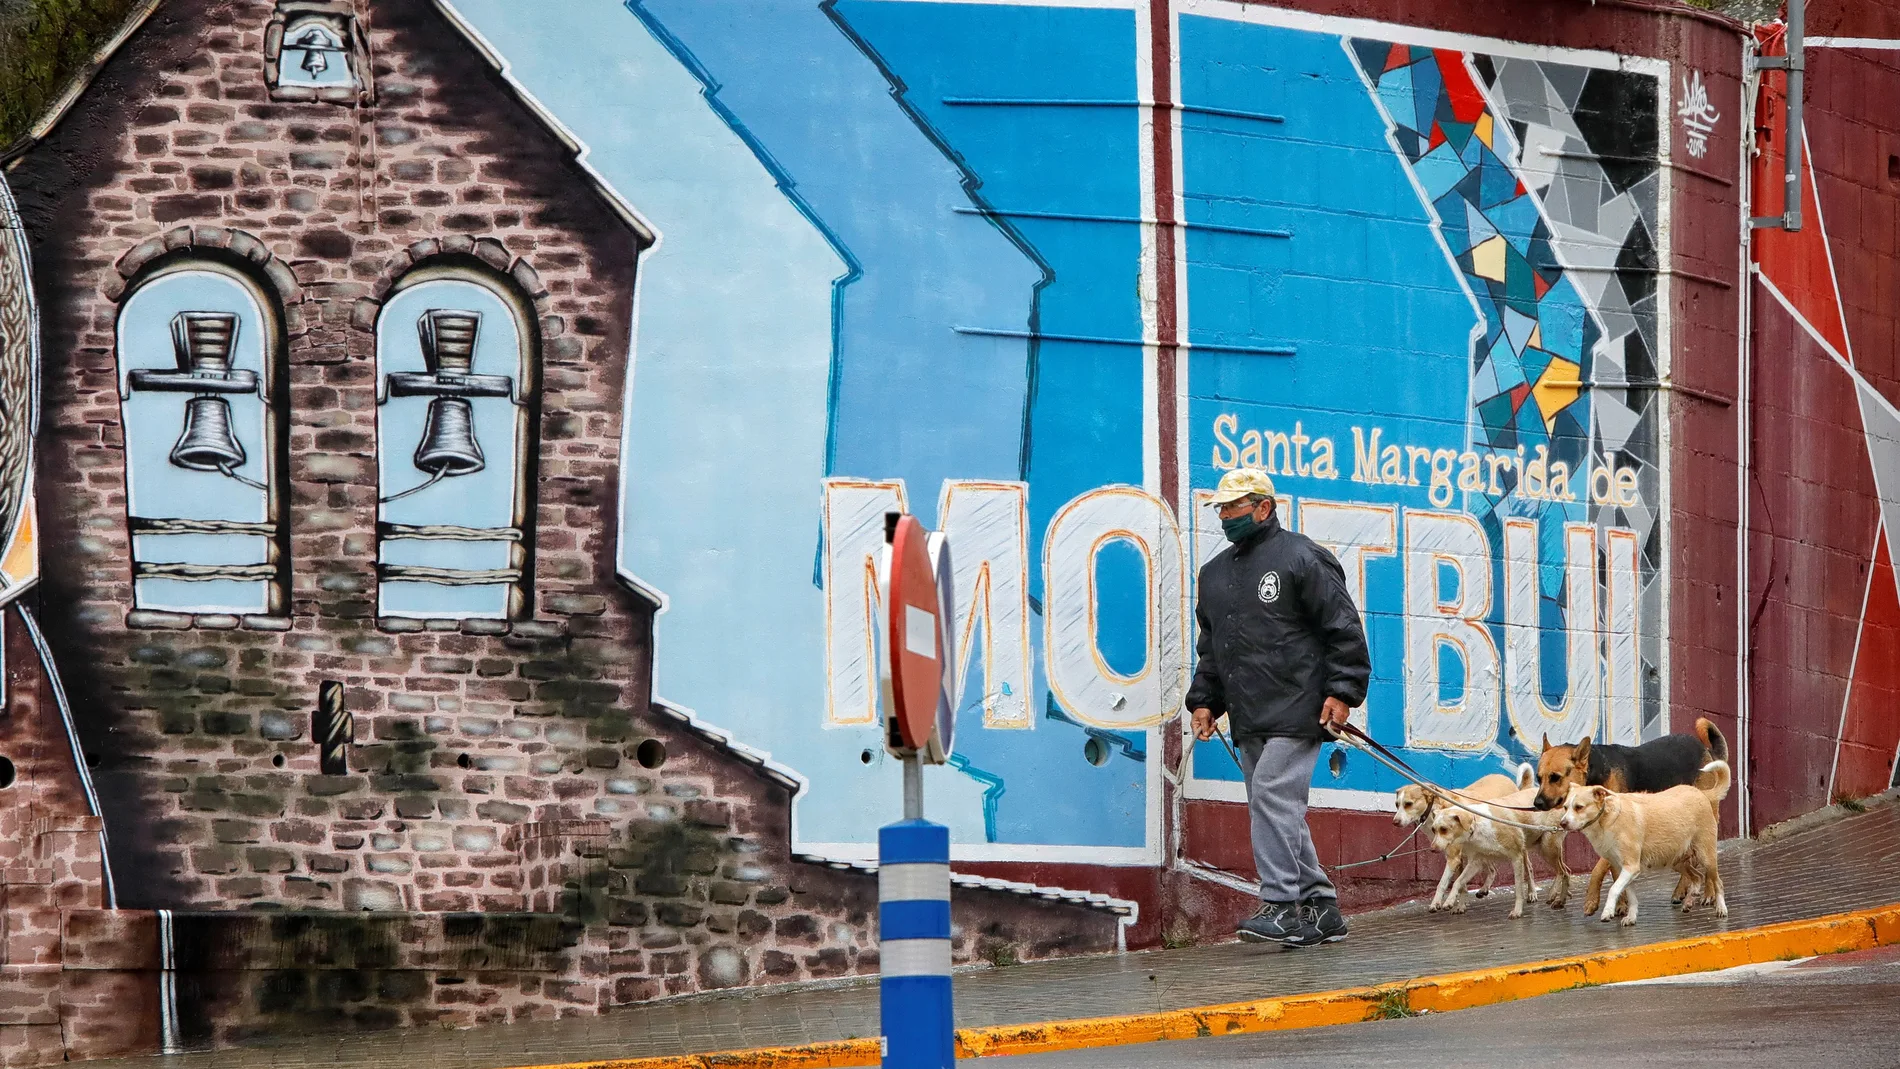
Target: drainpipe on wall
(1744, 434)
(1795, 63)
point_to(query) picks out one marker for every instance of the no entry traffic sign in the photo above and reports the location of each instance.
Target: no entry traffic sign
(915, 637)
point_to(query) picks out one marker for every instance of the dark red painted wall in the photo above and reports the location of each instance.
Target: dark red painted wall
(1826, 663)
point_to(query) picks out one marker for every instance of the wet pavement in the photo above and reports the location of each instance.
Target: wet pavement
(1846, 864)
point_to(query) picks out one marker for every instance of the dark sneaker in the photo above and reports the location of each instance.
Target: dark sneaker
(1323, 914)
(1280, 922)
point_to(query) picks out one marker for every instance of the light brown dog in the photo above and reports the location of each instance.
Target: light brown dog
(1670, 829)
(1415, 803)
(1485, 842)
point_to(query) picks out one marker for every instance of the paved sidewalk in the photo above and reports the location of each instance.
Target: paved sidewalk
(1847, 864)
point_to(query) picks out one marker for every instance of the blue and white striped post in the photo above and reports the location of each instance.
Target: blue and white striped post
(913, 926)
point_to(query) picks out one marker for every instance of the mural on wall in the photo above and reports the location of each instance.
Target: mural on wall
(333, 645)
(456, 370)
(963, 322)
(199, 350)
(474, 422)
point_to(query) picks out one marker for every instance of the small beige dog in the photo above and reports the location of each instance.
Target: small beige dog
(1669, 829)
(1487, 842)
(1415, 803)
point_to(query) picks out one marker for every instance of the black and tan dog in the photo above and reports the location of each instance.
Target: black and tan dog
(1657, 765)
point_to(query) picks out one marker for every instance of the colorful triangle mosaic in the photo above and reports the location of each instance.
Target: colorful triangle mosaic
(1501, 242)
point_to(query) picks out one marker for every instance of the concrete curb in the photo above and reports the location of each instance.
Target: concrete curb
(1826, 815)
(1833, 934)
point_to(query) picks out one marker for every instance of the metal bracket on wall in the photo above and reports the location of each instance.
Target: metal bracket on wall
(333, 729)
(1795, 63)
(1710, 396)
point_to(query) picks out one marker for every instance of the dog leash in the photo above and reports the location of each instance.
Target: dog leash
(1397, 764)
(1360, 739)
(1416, 776)
(1387, 856)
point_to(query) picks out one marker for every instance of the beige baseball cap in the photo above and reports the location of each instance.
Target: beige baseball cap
(1240, 483)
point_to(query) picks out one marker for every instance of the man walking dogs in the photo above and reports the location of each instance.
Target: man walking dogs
(1282, 652)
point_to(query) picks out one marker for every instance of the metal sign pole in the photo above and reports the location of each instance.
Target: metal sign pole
(913, 788)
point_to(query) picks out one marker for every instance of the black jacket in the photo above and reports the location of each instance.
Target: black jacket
(1279, 635)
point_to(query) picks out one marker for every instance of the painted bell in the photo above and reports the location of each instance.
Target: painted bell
(207, 443)
(448, 446)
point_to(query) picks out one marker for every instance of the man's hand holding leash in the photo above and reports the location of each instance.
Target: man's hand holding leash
(1333, 714)
(1203, 724)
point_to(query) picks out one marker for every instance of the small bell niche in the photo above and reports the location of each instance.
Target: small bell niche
(314, 50)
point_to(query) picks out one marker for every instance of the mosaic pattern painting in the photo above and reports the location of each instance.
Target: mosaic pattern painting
(1586, 147)
(1544, 179)
(1540, 339)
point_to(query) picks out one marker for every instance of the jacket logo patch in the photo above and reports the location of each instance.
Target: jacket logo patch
(1270, 587)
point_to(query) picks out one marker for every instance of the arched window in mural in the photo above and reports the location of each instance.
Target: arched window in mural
(198, 352)
(455, 355)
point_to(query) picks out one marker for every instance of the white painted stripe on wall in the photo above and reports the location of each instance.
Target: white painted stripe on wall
(167, 986)
(866, 853)
(1227, 790)
(1367, 801)
(1853, 662)
(1261, 14)
(914, 957)
(913, 882)
(1852, 42)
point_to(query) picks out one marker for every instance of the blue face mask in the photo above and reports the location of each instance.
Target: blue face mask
(1240, 528)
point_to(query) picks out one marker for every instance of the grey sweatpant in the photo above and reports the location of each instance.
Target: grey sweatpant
(1279, 775)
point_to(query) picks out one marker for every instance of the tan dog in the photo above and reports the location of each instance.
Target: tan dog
(1480, 841)
(1415, 803)
(1670, 829)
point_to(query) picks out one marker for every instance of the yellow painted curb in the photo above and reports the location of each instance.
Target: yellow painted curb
(1832, 934)
(844, 1052)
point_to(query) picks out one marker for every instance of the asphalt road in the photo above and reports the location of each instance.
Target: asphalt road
(1824, 1013)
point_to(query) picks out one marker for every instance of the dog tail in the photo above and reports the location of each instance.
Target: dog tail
(1713, 738)
(1719, 789)
(1526, 776)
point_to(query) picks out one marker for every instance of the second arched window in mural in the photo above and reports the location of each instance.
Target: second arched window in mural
(455, 380)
